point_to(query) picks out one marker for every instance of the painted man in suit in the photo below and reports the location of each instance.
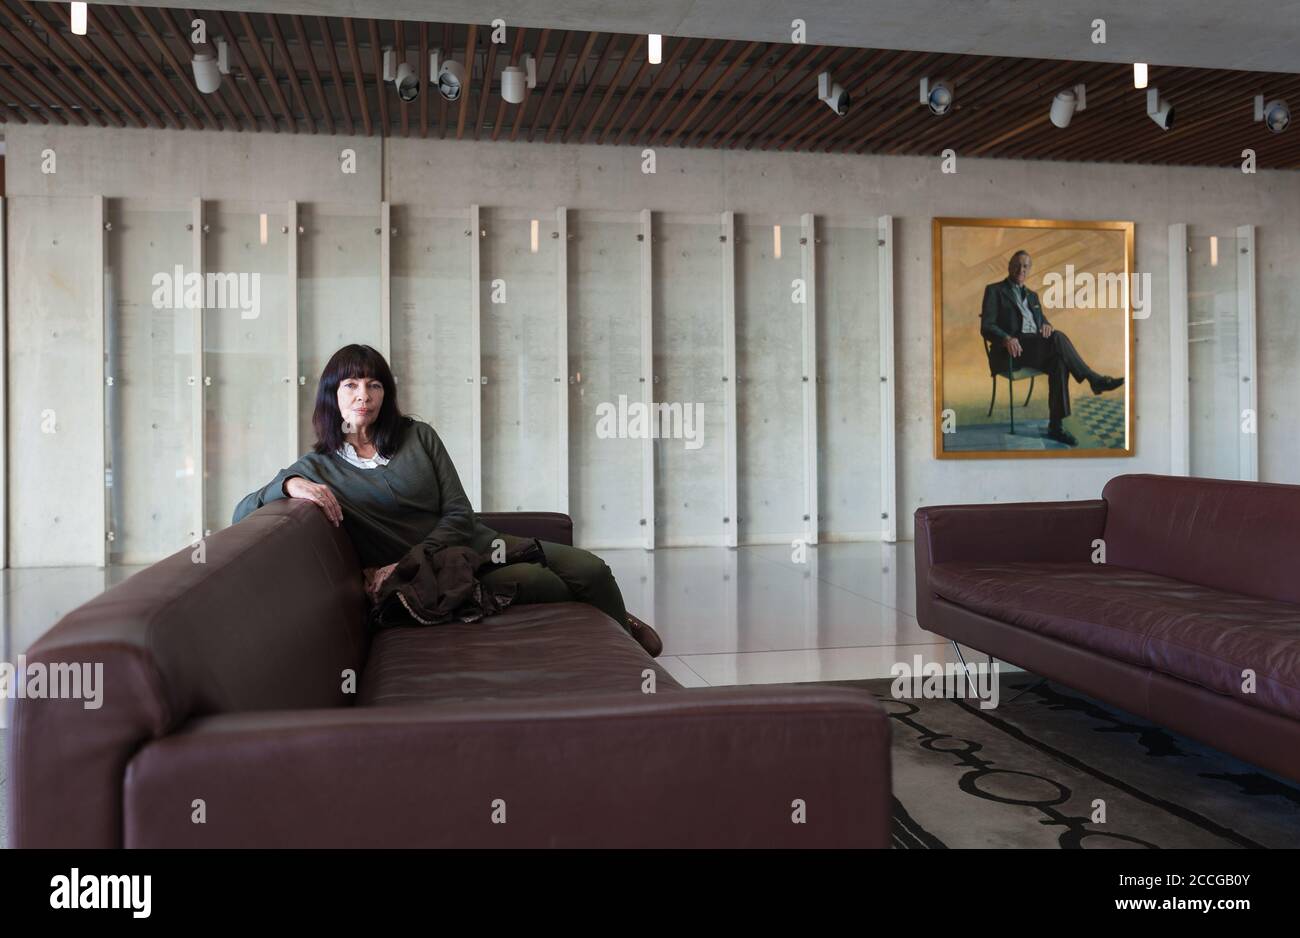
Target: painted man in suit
(1012, 320)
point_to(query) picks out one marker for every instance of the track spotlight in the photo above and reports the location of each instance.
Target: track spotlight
(655, 49)
(407, 82)
(832, 93)
(1275, 114)
(449, 76)
(207, 69)
(79, 19)
(938, 96)
(1159, 110)
(515, 79)
(403, 77)
(1066, 103)
(1139, 75)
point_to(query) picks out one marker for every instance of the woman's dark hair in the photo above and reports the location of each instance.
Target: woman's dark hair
(357, 361)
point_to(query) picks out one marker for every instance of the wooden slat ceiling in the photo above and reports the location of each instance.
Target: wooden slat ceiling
(312, 74)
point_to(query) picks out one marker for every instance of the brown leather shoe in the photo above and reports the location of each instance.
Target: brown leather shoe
(646, 637)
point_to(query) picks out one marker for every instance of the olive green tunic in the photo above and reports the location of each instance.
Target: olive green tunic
(417, 497)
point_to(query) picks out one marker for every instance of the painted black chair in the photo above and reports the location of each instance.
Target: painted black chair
(1012, 374)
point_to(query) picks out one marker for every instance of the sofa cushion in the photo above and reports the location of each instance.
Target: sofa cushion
(1191, 632)
(1237, 536)
(528, 650)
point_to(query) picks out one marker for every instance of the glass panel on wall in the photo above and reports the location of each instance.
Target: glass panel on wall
(606, 441)
(848, 379)
(55, 358)
(338, 293)
(432, 327)
(519, 312)
(1212, 357)
(689, 365)
(248, 435)
(769, 389)
(149, 333)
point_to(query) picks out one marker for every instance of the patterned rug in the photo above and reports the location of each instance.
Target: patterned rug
(1039, 772)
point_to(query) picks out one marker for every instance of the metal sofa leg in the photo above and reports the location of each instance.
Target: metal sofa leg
(965, 669)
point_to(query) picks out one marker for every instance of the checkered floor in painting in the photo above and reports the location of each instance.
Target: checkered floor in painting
(1104, 419)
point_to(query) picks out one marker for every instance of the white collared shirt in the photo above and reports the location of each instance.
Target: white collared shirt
(1022, 300)
(349, 452)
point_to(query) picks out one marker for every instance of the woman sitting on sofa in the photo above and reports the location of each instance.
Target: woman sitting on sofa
(401, 489)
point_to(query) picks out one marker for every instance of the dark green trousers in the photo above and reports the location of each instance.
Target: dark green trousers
(571, 574)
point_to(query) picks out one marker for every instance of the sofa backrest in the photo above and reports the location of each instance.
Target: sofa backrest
(269, 619)
(1238, 536)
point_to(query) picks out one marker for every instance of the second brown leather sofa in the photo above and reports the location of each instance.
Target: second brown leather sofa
(1176, 599)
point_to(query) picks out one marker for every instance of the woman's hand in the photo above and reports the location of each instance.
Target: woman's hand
(298, 487)
(375, 577)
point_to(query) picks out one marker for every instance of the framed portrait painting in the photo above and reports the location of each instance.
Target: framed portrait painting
(1033, 337)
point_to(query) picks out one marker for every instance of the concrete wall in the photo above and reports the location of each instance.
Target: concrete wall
(450, 175)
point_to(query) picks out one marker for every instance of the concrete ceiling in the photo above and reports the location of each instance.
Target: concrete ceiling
(1259, 35)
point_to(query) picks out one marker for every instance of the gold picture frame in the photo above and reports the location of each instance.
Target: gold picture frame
(974, 246)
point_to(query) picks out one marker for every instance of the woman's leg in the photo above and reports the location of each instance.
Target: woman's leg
(588, 578)
(570, 574)
(533, 583)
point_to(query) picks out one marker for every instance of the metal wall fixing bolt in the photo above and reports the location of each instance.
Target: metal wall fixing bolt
(284, 229)
(108, 226)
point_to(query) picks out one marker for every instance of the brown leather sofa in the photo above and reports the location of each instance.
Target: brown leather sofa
(1200, 588)
(225, 702)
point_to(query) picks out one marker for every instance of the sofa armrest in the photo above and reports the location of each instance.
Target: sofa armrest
(545, 525)
(701, 767)
(1047, 532)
